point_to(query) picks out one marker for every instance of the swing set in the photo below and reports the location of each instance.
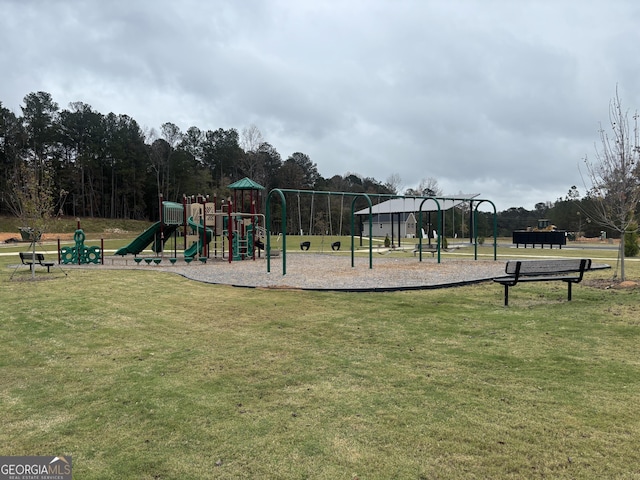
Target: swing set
(316, 220)
(281, 194)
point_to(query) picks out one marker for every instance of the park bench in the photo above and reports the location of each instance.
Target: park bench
(426, 248)
(31, 259)
(569, 271)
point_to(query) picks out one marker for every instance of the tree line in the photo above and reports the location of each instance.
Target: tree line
(96, 165)
(108, 166)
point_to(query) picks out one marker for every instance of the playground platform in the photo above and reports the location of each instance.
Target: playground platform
(311, 271)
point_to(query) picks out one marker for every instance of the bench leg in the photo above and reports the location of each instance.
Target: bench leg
(569, 291)
(506, 295)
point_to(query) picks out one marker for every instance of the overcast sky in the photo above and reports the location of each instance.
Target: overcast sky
(502, 98)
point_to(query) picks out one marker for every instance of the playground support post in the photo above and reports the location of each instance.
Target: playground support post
(218, 225)
(203, 201)
(230, 228)
(353, 229)
(161, 214)
(284, 229)
(253, 231)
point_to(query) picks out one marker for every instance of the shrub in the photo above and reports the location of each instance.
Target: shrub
(631, 248)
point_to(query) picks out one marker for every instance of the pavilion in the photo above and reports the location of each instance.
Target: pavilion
(398, 217)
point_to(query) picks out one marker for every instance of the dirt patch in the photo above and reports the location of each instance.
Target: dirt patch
(6, 237)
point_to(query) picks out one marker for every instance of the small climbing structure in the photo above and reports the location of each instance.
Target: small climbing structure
(80, 254)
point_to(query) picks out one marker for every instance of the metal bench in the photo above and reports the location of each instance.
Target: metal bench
(569, 271)
(32, 259)
(426, 247)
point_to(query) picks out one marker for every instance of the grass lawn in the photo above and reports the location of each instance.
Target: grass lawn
(147, 375)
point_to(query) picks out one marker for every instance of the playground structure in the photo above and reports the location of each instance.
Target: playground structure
(234, 230)
(208, 230)
(80, 254)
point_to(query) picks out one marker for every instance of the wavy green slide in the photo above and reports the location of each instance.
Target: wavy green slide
(197, 247)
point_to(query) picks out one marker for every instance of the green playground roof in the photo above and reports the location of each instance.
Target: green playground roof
(246, 184)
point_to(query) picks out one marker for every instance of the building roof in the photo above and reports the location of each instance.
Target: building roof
(246, 184)
(412, 204)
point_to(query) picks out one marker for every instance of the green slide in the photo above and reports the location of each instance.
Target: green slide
(147, 237)
(141, 242)
(197, 247)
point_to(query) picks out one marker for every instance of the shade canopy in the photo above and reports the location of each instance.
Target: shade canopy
(412, 204)
(245, 184)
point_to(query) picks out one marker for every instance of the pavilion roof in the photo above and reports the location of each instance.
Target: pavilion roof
(412, 204)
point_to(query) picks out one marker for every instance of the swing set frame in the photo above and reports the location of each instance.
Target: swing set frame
(281, 192)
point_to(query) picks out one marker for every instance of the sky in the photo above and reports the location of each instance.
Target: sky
(502, 98)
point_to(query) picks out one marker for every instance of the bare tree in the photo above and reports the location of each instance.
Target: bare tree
(251, 162)
(32, 200)
(160, 154)
(251, 139)
(615, 175)
(394, 183)
(428, 187)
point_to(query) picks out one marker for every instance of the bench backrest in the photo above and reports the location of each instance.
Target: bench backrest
(547, 267)
(29, 256)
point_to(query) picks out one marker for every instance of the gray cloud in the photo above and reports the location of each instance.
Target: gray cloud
(496, 97)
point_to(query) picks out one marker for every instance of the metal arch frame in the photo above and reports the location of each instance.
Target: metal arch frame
(438, 240)
(281, 193)
(475, 228)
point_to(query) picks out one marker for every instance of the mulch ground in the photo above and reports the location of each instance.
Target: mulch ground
(311, 271)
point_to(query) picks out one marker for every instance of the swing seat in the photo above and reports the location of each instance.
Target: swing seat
(305, 245)
(335, 246)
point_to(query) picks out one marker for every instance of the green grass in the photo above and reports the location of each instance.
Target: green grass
(147, 375)
(94, 227)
